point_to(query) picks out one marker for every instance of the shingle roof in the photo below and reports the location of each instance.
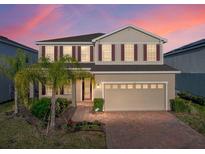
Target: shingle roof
(188, 47)
(79, 38)
(14, 43)
(126, 68)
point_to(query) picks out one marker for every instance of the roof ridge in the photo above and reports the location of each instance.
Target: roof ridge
(186, 47)
(3, 38)
(73, 36)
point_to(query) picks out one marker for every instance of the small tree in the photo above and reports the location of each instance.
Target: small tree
(10, 66)
(54, 73)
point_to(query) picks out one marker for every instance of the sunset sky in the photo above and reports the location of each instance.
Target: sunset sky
(180, 24)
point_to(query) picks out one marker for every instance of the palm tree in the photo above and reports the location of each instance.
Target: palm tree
(10, 66)
(53, 73)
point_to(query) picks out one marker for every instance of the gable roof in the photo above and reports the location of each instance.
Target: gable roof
(134, 27)
(187, 48)
(4, 39)
(79, 38)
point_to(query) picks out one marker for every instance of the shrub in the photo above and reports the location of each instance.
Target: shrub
(98, 104)
(84, 126)
(41, 107)
(180, 105)
(61, 105)
(195, 99)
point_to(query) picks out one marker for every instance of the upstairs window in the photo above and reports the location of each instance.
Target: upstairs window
(151, 52)
(129, 52)
(106, 52)
(49, 53)
(67, 50)
(85, 53)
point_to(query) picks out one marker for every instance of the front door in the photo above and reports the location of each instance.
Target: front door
(87, 89)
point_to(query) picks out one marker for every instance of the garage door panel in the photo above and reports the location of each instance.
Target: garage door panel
(134, 99)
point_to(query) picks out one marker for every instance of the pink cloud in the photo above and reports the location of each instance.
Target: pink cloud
(42, 15)
(183, 37)
(170, 18)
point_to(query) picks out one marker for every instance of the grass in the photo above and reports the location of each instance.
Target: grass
(15, 132)
(196, 120)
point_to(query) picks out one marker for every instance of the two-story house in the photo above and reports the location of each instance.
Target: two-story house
(127, 64)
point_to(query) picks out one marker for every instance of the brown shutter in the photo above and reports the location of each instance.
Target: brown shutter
(100, 52)
(135, 52)
(55, 53)
(62, 90)
(61, 51)
(158, 52)
(145, 52)
(113, 52)
(122, 52)
(79, 53)
(73, 51)
(91, 53)
(43, 51)
(43, 89)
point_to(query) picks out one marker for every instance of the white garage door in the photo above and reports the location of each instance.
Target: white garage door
(134, 96)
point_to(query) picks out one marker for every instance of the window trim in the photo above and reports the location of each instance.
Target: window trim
(110, 52)
(88, 52)
(126, 51)
(52, 58)
(153, 53)
(65, 50)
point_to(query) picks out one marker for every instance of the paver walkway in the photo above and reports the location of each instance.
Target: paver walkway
(142, 129)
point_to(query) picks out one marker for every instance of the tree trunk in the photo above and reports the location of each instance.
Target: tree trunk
(53, 109)
(16, 100)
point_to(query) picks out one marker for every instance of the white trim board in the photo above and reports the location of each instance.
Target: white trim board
(163, 82)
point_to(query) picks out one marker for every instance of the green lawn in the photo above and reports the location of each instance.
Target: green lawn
(195, 120)
(15, 132)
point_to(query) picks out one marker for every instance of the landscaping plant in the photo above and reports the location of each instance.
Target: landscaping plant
(98, 104)
(42, 108)
(10, 66)
(53, 73)
(195, 99)
(180, 105)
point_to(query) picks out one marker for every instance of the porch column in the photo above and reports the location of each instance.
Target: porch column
(74, 93)
(31, 90)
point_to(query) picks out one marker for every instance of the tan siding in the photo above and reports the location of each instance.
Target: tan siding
(129, 35)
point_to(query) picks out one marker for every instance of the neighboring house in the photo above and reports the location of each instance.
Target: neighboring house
(9, 48)
(127, 64)
(190, 60)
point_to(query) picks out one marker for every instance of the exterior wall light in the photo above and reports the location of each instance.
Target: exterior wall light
(98, 86)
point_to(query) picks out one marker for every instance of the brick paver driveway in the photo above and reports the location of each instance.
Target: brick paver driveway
(143, 129)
